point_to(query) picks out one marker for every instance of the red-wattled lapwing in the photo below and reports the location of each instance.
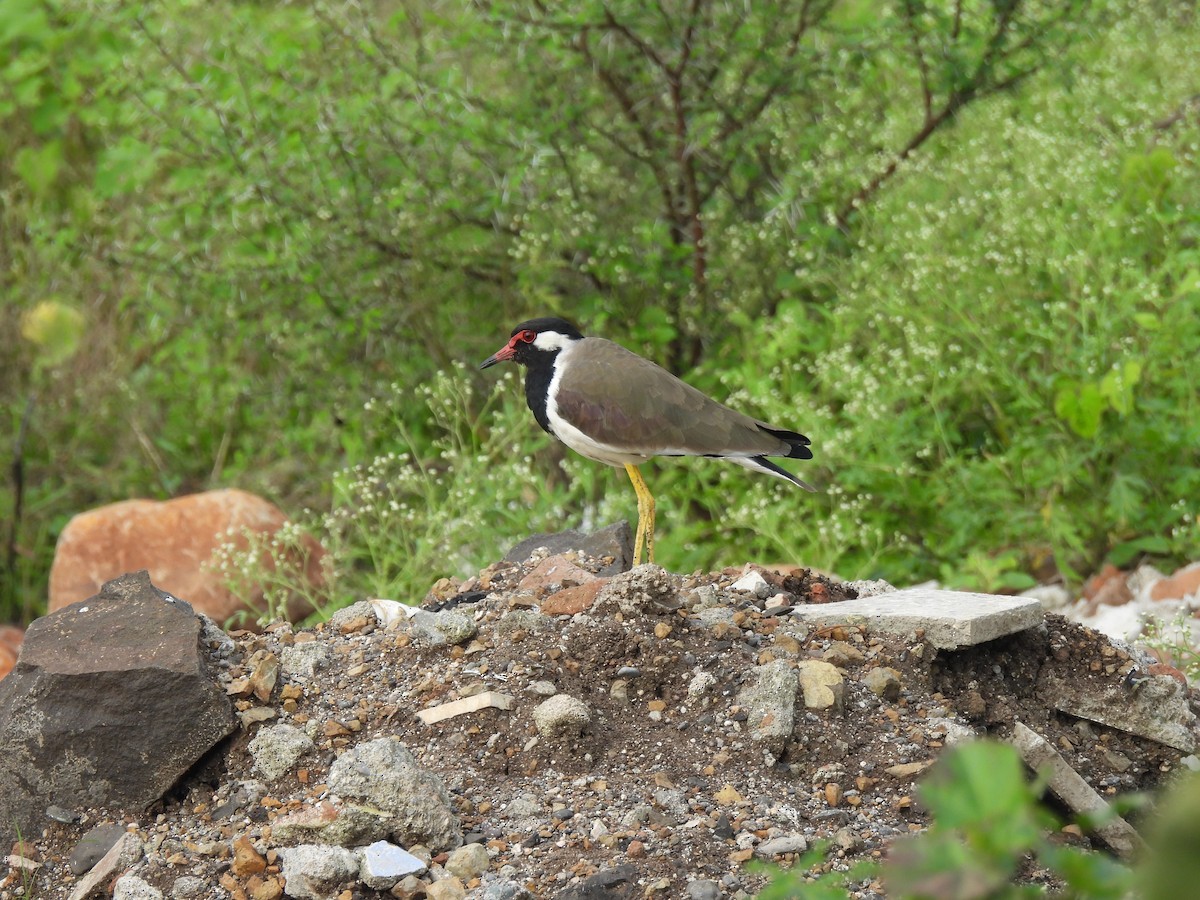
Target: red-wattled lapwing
(615, 407)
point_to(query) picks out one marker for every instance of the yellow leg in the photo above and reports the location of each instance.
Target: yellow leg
(645, 528)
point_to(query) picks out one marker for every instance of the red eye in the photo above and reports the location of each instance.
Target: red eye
(527, 336)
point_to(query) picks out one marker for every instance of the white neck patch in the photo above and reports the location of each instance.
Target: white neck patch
(551, 341)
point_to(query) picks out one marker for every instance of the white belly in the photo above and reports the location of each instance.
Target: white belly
(585, 446)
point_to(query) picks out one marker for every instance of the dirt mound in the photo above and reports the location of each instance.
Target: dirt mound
(716, 729)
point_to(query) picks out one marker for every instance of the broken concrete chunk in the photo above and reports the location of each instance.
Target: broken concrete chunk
(1071, 789)
(316, 872)
(442, 628)
(303, 661)
(642, 590)
(130, 887)
(276, 750)
(1155, 707)
(948, 619)
(454, 708)
(334, 822)
(561, 715)
(385, 777)
(770, 699)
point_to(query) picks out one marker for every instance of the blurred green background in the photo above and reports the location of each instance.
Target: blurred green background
(264, 244)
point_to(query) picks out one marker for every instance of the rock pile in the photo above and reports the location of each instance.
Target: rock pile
(546, 730)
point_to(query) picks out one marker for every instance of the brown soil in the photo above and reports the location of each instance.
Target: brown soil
(668, 783)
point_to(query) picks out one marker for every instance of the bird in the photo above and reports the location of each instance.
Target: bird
(613, 406)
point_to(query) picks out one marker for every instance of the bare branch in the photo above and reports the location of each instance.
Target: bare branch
(914, 32)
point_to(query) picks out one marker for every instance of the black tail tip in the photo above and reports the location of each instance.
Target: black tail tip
(798, 444)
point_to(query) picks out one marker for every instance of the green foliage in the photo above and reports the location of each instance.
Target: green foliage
(398, 521)
(797, 882)
(987, 825)
(1172, 865)
(959, 251)
(1002, 380)
(1081, 404)
(403, 519)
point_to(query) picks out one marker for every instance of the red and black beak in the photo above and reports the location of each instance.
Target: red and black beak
(505, 353)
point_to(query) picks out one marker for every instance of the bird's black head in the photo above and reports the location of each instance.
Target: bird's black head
(534, 340)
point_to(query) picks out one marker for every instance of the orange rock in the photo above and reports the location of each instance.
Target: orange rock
(174, 540)
(1168, 670)
(1184, 583)
(1093, 585)
(1114, 593)
(11, 638)
(555, 571)
(573, 600)
(1108, 587)
(247, 860)
(268, 890)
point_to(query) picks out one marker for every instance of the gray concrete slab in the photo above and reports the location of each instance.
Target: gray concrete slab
(1157, 707)
(949, 619)
(1069, 786)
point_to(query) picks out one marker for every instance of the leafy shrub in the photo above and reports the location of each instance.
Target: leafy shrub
(1004, 375)
(940, 248)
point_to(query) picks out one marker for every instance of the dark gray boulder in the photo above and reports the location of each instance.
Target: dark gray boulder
(110, 704)
(615, 541)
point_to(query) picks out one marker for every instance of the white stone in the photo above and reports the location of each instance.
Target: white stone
(1053, 597)
(390, 611)
(788, 843)
(130, 887)
(382, 864)
(1122, 622)
(474, 703)
(753, 583)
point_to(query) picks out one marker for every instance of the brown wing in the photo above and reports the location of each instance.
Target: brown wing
(618, 398)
